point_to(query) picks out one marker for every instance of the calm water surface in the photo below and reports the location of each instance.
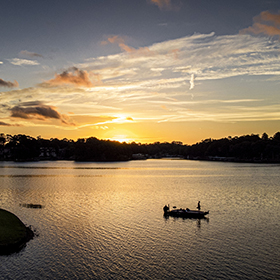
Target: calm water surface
(105, 220)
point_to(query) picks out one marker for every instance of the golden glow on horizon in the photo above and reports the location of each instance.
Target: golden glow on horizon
(120, 135)
(121, 138)
(118, 119)
(122, 119)
(190, 132)
(155, 97)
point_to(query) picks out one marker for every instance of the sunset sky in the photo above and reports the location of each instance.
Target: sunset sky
(140, 70)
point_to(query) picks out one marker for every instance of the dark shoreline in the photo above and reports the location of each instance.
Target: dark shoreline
(247, 148)
(215, 159)
(236, 160)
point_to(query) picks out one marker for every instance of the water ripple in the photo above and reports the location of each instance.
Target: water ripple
(107, 223)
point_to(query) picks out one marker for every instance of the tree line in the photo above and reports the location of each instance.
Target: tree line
(246, 148)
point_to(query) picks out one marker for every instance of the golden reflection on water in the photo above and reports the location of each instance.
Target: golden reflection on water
(107, 175)
(50, 175)
(102, 168)
(108, 221)
(57, 167)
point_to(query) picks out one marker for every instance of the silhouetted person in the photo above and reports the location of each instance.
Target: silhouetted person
(198, 206)
(165, 209)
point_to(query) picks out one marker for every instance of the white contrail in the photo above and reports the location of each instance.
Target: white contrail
(192, 81)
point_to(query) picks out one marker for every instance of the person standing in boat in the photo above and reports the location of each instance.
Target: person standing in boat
(165, 209)
(198, 206)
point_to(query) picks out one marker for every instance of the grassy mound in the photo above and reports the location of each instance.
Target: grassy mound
(13, 233)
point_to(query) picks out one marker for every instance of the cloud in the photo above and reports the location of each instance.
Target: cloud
(114, 39)
(265, 23)
(115, 120)
(206, 56)
(162, 4)
(8, 84)
(192, 81)
(8, 124)
(129, 82)
(164, 107)
(142, 85)
(4, 124)
(73, 76)
(30, 54)
(37, 110)
(20, 62)
(1, 62)
(120, 41)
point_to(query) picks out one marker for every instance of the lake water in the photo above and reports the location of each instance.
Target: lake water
(105, 220)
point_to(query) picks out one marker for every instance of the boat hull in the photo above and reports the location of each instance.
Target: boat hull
(186, 214)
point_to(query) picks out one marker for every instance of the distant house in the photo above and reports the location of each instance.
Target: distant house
(47, 153)
(139, 156)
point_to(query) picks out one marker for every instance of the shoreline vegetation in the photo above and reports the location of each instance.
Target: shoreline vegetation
(13, 233)
(248, 148)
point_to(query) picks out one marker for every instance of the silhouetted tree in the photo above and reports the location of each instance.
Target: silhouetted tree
(244, 148)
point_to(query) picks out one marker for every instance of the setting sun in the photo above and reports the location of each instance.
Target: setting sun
(170, 84)
(111, 110)
(120, 135)
(121, 138)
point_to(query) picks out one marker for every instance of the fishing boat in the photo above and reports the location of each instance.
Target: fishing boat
(184, 213)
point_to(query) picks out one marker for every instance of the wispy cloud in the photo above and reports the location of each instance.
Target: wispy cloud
(20, 62)
(203, 56)
(37, 110)
(73, 76)
(120, 41)
(164, 4)
(134, 80)
(8, 84)
(4, 124)
(145, 85)
(30, 54)
(114, 120)
(266, 23)
(9, 124)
